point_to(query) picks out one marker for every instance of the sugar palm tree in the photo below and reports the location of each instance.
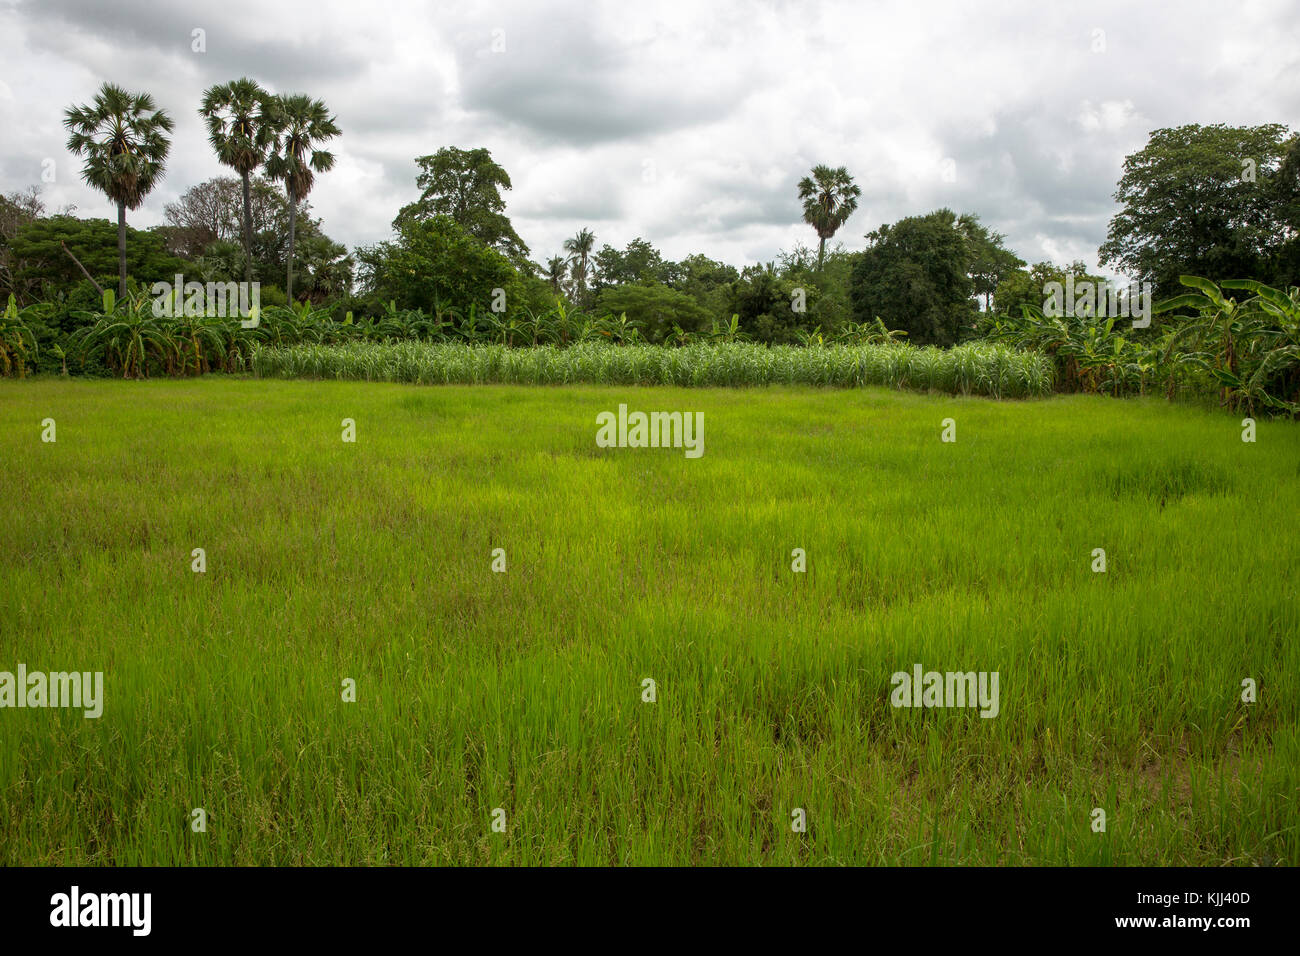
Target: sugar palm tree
(240, 131)
(122, 139)
(298, 124)
(829, 198)
(579, 250)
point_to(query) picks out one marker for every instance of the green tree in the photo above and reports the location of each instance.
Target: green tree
(829, 309)
(990, 260)
(707, 281)
(829, 198)
(579, 250)
(1285, 186)
(202, 222)
(298, 124)
(434, 263)
(556, 269)
(1200, 200)
(465, 185)
(40, 243)
(122, 140)
(16, 210)
(639, 262)
(240, 131)
(1029, 286)
(654, 308)
(764, 301)
(914, 275)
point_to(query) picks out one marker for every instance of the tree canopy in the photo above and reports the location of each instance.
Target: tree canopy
(465, 186)
(915, 275)
(1208, 201)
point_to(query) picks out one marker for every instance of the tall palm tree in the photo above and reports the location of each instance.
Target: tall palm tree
(829, 198)
(240, 131)
(298, 124)
(579, 250)
(555, 269)
(122, 137)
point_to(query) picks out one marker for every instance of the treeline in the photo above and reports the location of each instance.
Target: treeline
(1217, 201)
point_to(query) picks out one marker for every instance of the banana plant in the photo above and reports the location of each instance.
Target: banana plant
(808, 338)
(127, 336)
(17, 341)
(1210, 339)
(729, 332)
(469, 325)
(195, 339)
(623, 329)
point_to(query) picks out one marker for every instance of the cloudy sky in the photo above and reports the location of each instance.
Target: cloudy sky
(686, 122)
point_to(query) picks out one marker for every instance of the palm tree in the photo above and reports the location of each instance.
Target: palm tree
(579, 250)
(122, 137)
(829, 198)
(240, 132)
(298, 124)
(555, 267)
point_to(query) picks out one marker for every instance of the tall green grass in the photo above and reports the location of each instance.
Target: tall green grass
(523, 690)
(977, 369)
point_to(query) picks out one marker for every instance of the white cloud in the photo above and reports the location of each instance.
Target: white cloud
(729, 103)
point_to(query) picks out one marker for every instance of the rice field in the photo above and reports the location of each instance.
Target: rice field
(975, 369)
(349, 681)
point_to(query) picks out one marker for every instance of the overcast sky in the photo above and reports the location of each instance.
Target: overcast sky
(688, 122)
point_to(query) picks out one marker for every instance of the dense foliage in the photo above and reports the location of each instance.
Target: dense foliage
(1249, 350)
(454, 287)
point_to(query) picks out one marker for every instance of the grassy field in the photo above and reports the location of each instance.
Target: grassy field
(523, 690)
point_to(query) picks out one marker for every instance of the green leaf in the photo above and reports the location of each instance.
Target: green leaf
(1186, 300)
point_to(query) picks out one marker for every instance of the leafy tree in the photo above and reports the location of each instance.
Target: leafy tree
(579, 250)
(1285, 186)
(298, 124)
(990, 261)
(326, 268)
(1201, 200)
(465, 185)
(38, 248)
(706, 281)
(435, 263)
(202, 223)
(16, 210)
(240, 131)
(556, 270)
(639, 262)
(122, 139)
(764, 300)
(828, 309)
(914, 276)
(1027, 287)
(829, 198)
(654, 308)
